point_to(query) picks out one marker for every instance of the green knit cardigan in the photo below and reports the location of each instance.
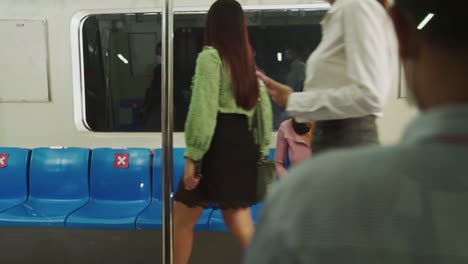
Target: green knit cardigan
(212, 94)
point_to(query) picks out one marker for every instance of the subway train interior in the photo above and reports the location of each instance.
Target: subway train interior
(81, 98)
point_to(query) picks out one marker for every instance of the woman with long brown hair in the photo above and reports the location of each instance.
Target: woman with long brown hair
(218, 131)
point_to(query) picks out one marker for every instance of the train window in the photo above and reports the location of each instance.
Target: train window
(120, 55)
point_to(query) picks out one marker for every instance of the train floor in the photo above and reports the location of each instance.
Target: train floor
(64, 246)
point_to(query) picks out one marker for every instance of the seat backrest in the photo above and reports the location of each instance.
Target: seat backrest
(14, 166)
(178, 170)
(59, 173)
(121, 174)
(271, 155)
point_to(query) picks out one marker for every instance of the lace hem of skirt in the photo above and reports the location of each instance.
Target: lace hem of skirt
(219, 205)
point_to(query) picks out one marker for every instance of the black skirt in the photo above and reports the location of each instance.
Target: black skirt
(229, 168)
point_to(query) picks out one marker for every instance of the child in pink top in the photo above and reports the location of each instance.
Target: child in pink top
(293, 141)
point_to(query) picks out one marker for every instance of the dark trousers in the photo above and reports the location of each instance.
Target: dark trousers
(344, 133)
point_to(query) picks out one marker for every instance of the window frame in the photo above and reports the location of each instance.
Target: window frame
(76, 37)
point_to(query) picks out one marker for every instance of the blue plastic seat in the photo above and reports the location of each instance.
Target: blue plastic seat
(118, 194)
(216, 223)
(58, 185)
(14, 164)
(151, 218)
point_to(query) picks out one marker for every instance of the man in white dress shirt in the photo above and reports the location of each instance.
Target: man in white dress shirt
(404, 204)
(348, 76)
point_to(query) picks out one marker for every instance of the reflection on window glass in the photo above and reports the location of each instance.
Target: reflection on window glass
(122, 63)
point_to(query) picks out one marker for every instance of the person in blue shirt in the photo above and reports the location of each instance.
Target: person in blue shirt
(397, 204)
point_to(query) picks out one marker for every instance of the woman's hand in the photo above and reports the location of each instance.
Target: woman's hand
(279, 92)
(191, 181)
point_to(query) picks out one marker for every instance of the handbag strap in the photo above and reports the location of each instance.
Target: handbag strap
(259, 123)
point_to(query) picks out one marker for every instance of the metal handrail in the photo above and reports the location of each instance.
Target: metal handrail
(167, 129)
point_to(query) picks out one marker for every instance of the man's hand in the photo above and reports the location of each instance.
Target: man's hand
(279, 92)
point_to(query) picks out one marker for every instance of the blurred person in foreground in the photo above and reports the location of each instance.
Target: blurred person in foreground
(400, 204)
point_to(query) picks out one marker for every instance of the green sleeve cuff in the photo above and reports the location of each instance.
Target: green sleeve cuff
(194, 153)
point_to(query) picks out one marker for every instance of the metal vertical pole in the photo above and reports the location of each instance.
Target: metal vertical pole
(167, 128)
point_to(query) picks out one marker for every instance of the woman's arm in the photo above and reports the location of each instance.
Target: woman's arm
(203, 111)
(280, 153)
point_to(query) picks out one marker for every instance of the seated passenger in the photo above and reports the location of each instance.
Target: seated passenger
(293, 144)
(396, 204)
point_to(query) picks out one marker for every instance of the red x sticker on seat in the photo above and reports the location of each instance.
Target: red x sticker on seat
(3, 160)
(121, 160)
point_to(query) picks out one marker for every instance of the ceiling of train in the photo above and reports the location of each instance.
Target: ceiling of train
(126, 22)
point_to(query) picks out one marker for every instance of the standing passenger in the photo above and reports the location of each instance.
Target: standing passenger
(296, 74)
(348, 77)
(218, 135)
(152, 100)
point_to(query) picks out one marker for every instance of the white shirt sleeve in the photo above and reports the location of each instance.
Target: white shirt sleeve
(369, 67)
